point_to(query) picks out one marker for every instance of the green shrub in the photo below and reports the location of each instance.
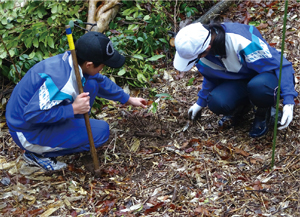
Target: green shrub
(141, 36)
(34, 32)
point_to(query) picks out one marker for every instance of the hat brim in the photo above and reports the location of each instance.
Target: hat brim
(116, 61)
(182, 64)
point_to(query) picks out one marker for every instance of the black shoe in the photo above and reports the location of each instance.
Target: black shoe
(228, 121)
(260, 124)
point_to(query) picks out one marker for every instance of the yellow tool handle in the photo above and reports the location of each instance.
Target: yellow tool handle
(86, 115)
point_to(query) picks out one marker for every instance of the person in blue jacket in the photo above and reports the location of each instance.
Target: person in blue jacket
(45, 111)
(239, 68)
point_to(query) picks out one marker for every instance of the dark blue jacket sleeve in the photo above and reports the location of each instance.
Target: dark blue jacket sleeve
(207, 87)
(109, 90)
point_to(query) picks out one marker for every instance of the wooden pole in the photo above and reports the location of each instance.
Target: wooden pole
(80, 88)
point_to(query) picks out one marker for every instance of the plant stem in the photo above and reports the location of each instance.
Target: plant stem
(279, 82)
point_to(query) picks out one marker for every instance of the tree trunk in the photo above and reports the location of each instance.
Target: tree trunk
(214, 11)
(103, 14)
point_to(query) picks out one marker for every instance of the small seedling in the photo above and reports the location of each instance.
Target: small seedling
(163, 96)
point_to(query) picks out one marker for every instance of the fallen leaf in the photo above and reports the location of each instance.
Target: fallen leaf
(132, 208)
(202, 211)
(154, 208)
(49, 212)
(135, 145)
(242, 152)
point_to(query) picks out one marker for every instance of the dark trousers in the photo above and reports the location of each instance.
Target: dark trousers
(260, 91)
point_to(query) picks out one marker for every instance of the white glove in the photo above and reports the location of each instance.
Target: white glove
(193, 111)
(287, 116)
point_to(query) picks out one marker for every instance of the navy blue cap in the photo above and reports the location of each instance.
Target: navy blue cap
(98, 48)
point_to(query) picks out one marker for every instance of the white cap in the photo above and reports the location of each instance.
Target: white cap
(189, 44)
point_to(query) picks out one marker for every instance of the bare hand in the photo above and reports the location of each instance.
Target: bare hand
(81, 105)
(137, 102)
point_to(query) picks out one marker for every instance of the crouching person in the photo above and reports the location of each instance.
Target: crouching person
(239, 68)
(45, 111)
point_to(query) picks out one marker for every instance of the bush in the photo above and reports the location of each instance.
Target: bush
(140, 32)
(33, 32)
(36, 30)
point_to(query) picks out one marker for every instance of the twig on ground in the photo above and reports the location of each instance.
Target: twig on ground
(207, 178)
(174, 193)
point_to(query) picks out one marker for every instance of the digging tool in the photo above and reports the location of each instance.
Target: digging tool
(80, 88)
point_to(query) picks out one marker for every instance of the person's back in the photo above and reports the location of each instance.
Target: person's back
(33, 92)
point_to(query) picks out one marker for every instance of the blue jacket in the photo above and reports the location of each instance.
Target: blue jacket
(248, 54)
(46, 93)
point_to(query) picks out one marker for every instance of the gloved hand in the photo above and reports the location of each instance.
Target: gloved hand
(287, 116)
(193, 111)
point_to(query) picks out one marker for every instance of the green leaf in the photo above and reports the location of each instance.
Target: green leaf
(50, 21)
(11, 52)
(147, 17)
(137, 84)
(154, 58)
(12, 73)
(163, 95)
(43, 36)
(141, 78)
(122, 72)
(254, 23)
(54, 9)
(154, 107)
(71, 24)
(128, 11)
(137, 56)
(163, 40)
(27, 66)
(59, 9)
(12, 44)
(136, 14)
(133, 27)
(4, 20)
(23, 57)
(129, 32)
(5, 70)
(40, 14)
(28, 42)
(50, 41)
(36, 42)
(9, 26)
(139, 7)
(79, 21)
(39, 55)
(31, 55)
(190, 82)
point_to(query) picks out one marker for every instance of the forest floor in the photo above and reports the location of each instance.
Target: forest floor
(163, 165)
